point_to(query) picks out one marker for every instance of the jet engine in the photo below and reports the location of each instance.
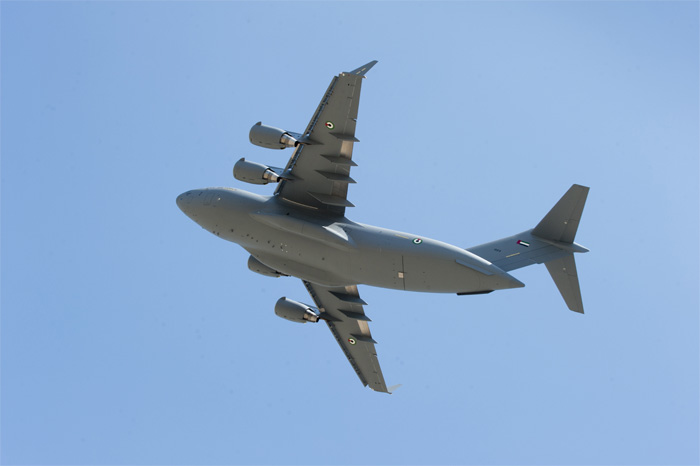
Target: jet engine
(296, 312)
(254, 173)
(258, 267)
(271, 137)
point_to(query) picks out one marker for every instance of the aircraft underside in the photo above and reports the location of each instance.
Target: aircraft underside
(302, 231)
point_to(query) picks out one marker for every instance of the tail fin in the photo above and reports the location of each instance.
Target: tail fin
(551, 242)
(561, 223)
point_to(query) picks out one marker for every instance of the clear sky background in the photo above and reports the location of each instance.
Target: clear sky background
(132, 336)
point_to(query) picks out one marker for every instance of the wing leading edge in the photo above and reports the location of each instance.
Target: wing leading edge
(343, 312)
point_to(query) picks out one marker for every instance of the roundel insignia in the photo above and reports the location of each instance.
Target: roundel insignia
(417, 241)
(351, 341)
(330, 125)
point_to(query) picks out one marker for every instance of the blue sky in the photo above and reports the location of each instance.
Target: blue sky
(131, 336)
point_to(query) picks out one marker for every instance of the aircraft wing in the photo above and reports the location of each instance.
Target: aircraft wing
(342, 310)
(318, 173)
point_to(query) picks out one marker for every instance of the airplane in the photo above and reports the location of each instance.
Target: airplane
(302, 231)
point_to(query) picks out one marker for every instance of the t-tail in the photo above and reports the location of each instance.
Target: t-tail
(550, 243)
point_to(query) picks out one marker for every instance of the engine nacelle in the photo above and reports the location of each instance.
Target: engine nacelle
(271, 137)
(296, 312)
(258, 267)
(254, 173)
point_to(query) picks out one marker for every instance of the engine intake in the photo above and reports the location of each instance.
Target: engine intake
(296, 312)
(271, 137)
(254, 173)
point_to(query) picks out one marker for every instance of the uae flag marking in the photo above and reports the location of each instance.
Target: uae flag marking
(523, 243)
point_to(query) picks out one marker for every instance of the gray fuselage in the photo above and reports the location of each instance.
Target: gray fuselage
(338, 252)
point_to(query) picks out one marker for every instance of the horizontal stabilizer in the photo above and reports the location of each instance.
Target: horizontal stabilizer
(563, 272)
(561, 223)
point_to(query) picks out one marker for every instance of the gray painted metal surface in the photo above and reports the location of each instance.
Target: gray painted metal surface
(302, 231)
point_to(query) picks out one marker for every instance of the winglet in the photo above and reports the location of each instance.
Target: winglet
(361, 71)
(393, 388)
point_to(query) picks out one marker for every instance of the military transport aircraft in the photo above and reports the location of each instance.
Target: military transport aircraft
(302, 231)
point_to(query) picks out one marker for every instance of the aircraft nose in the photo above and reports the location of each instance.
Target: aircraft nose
(184, 201)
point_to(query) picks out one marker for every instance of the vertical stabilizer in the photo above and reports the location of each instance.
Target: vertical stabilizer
(560, 226)
(561, 223)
